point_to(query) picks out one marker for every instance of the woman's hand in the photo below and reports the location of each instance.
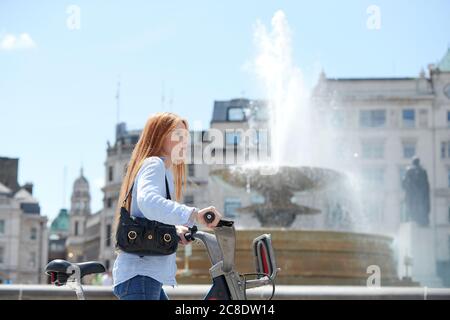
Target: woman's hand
(181, 230)
(201, 217)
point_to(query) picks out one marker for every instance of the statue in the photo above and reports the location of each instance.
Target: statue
(417, 190)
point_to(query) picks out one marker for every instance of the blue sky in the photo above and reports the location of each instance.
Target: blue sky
(57, 105)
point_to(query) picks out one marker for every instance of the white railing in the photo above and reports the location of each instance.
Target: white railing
(197, 292)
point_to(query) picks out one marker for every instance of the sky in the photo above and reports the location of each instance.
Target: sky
(60, 63)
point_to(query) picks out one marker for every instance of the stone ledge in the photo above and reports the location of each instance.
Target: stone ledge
(197, 292)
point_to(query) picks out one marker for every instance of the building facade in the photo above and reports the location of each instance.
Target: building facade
(59, 231)
(83, 242)
(23, 230)
(382, 123)
(117, 158)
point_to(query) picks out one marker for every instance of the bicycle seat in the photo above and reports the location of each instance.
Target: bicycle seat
(61, 270)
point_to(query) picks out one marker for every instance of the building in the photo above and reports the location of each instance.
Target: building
(117, 157)
(383, 123)
(59, 231)
(83, 242)
(23, 230)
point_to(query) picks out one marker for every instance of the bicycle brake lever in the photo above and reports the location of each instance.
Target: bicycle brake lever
(189, 236)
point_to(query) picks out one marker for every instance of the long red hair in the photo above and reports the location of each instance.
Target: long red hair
(150, 143)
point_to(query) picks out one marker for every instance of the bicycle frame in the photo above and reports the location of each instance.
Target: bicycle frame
(227, 283)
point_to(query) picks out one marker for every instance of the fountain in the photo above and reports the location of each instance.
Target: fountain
(278, 189)
(302, 162)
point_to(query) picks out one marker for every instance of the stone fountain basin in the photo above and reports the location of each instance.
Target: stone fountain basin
(277, 185)
(270, 179)
(307, 257)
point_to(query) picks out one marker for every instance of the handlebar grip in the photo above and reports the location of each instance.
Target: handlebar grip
(189, 236)
(210, 216)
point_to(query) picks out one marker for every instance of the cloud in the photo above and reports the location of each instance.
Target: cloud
(10, 41)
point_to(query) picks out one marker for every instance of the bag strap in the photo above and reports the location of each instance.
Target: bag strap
(167, 189)
(131, 189)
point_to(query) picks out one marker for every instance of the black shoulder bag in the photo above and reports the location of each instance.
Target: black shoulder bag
(143, 236)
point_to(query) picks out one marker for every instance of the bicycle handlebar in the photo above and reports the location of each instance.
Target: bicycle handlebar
(189, 236)
(209, 217)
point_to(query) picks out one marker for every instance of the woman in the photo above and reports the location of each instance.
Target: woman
(159, 154)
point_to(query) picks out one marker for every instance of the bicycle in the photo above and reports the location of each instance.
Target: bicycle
(227, 283)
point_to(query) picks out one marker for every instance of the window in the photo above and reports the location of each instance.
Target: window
(134, 139)
(109, 202)
(448, 214)
(79, 205)
(372, 149)
(337, 119)
(2, 255)
(448, 243)
(409, 118)
(110, 173)
(33, 234)
(56, 247)
(423, 118)
(230, 206)
(261, 139)
(236, 114)
(2, 226)
(107, 264)
(76, 228)
(189, 200)
(374, 176)
(402, 172)
(372, 118)
(108, 235)
(409, 149)
(262, 114)
(445, 149)
(232, 138)
(257, 199)
(448, 177)
(448, 118)
(191, 170)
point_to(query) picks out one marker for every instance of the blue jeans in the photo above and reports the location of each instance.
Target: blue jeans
(140, 288)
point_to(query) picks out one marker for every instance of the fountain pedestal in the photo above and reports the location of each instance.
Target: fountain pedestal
(416, 247)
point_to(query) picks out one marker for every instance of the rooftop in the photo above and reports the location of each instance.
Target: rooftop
(444, 64)
(242, 109)
(61, 222)
(4, 189)
(24, 196)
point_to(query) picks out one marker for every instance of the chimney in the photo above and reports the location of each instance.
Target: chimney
(8, 172)
(29, 187)
(121, 130)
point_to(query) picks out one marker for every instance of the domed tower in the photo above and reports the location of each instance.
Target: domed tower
(80, 207)
(81, 198)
